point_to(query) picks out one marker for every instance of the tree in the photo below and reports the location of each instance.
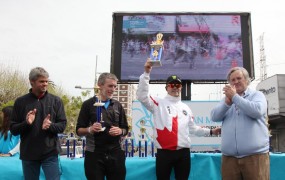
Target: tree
(72, 107)
(13, 84)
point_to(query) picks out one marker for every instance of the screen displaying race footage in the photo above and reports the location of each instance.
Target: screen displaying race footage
(196, 47)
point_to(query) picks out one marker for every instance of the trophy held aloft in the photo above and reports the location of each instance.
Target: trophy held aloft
(156, 51)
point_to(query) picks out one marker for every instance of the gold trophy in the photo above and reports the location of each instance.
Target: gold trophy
(129, 143)
(156, 51)
(99, 104)
(142, 140)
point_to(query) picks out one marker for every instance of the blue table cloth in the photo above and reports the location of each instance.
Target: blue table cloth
(204, 166)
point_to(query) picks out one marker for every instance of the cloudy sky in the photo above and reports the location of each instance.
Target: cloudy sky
(65, 36)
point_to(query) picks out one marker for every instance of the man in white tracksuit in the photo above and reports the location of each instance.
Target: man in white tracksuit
(173, 123)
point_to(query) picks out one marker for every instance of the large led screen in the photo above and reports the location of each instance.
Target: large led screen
(198, 47)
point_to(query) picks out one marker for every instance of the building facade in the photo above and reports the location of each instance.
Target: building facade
(125, 94)
(274, 90)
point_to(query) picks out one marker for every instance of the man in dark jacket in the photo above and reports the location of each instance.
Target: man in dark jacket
(103, 121)
(38, 117)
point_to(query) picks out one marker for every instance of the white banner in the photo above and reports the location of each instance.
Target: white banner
(201, 111)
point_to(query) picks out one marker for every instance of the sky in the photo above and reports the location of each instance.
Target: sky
(66, 36)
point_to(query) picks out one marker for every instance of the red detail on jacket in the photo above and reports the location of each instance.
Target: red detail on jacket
(156, 103)
(168, 139)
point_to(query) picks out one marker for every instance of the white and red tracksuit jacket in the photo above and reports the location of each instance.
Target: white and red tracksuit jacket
(173, 119)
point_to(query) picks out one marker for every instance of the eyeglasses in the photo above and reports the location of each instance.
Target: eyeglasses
(174, 85)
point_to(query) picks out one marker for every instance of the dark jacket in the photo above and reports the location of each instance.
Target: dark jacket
(114, 115)
(36, 143)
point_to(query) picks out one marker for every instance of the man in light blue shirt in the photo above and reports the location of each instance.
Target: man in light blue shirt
(245, 136)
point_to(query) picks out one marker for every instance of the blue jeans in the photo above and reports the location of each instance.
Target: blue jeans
(50, 166)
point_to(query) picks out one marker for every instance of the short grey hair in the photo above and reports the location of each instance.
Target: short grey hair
(243, 71)
(37, 72)
(102, 78)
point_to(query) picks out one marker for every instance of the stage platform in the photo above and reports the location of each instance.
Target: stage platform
(204, 166)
